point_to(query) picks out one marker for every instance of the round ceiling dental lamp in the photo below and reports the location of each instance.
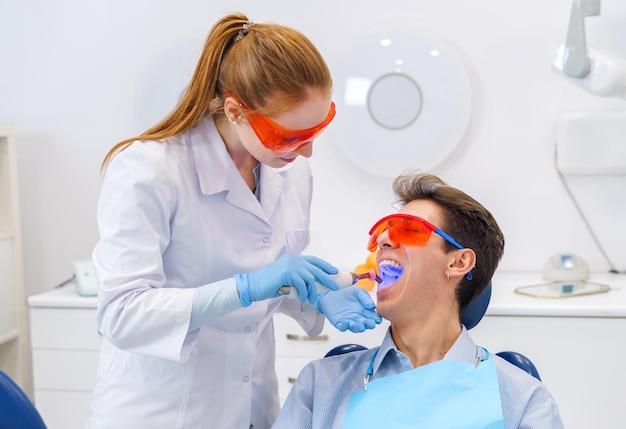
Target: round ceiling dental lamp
(403, 101)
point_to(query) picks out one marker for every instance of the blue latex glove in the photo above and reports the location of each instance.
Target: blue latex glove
(298, 271)
(350, 308)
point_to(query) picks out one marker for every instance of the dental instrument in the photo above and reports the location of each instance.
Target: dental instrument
(343, 278)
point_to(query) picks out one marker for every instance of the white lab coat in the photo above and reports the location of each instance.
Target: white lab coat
(173, 216)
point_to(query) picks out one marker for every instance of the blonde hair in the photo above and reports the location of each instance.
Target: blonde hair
(267, 66)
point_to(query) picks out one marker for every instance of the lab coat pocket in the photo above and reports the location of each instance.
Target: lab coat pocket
(297, 240)
(143, 391)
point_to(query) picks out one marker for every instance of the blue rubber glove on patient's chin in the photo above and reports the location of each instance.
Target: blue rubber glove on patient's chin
(301, 272)
(350, 308)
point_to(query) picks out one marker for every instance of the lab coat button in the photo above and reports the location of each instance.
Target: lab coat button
(266, 239)
(248, 329)
(246, 378)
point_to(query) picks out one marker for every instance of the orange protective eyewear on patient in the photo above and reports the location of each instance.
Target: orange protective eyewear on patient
(406, 229)
(277, 138)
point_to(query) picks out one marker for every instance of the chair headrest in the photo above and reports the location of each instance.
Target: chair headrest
(476, 309)
(344, 348)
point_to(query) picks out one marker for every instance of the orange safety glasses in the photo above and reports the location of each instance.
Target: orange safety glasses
(406, 229)
(277, 138)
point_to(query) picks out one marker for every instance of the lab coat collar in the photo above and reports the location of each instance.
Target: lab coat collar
(271, 183)
(217, 172)
(211, 158)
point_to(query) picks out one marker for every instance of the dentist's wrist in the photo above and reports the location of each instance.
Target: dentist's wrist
(318, 309)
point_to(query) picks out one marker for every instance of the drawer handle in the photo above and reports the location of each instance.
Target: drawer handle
(307, 338)
(291, 380)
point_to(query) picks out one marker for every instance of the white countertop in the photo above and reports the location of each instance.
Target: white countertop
(65, 296)
(506, 302)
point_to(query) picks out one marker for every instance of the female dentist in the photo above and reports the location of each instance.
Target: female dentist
(202, 220)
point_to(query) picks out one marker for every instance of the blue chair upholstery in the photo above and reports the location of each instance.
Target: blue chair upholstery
(344, 348)
(521, 361)
(470, 317)
(16, 409)
(476, 309)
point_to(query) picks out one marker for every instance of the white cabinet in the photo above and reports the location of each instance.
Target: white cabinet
(13, 345)
(294, 349)
(65, 346)
(576, 343)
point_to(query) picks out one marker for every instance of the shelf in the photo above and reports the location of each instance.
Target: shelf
(9, 336)
(8, 315)
(14, 357)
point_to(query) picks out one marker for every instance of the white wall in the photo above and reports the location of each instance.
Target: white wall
(76, 77)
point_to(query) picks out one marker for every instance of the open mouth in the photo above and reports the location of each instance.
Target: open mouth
(390, 272)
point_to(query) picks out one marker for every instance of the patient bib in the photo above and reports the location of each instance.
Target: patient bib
(443, 394)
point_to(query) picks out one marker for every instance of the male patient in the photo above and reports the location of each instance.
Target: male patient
(427, 373)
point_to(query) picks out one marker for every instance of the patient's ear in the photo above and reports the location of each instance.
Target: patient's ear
(463, 263)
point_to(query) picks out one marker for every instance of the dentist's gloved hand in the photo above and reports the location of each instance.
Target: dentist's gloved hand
(350, 308)
(298, 271)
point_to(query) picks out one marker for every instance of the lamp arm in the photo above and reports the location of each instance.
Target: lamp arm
(575, 59)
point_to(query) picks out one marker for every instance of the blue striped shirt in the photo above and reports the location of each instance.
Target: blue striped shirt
(319, 397)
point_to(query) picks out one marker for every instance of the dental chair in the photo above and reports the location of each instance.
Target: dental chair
(474, 313)
(17, 411)
(470, 318)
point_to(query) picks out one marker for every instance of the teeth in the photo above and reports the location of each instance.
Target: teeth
(390, 272)
(389, 262)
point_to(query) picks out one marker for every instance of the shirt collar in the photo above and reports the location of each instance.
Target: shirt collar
(463, 350)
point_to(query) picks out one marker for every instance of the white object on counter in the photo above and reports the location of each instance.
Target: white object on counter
(505, 302)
